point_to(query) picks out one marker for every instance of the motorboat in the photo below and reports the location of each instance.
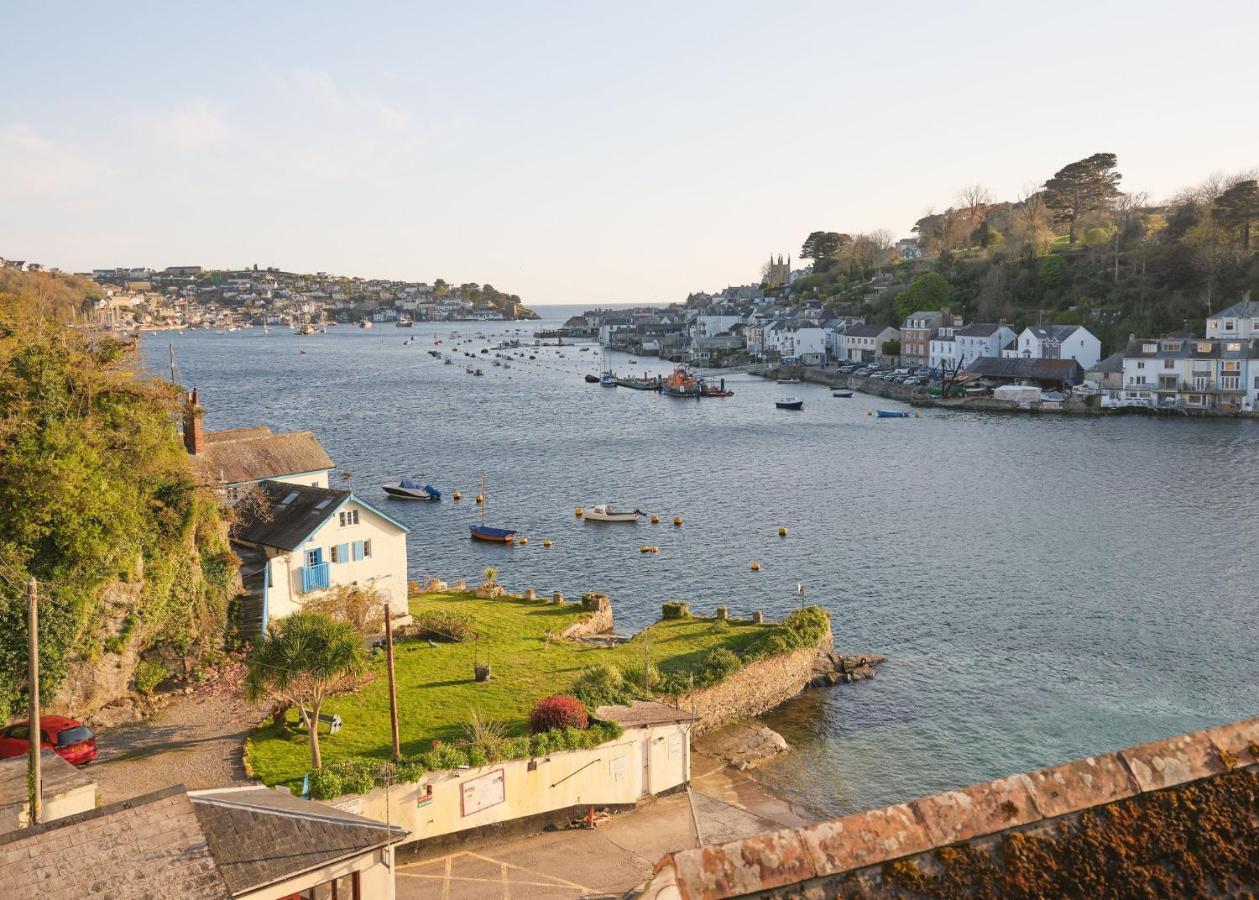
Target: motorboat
(605, 513)
(788, 380)
(590, 379)
(789, 403)
(891, 414)
(844, 394)
(607, 379)
(410, 489)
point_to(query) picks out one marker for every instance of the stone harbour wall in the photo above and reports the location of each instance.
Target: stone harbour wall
(755, 689)
(599, 620)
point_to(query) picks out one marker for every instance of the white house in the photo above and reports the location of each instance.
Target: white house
(1241, 320)
(974, 341)
(298, 541)
(1057, 342)
(942, 351)
(711, 325)
(806, 342)
(1192, 373)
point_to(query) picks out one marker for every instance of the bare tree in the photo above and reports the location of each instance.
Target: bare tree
(1126, 210)
(974, 200)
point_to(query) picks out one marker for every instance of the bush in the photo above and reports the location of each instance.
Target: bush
(324, 785)
(639, 678)
(602, 685)
(718, 664)
(675, 609)
(486, 736)
(149, 674)
(442, 625)
(557, 711)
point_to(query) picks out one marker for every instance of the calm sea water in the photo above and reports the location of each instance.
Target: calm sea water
(1044, 588)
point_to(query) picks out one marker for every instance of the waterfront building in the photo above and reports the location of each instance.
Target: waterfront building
(1057, 342)
(297, 541)
(986, 339)
(1048, 374)
(1107, 375)
(1205, 374)
(1241, 320)
(864, 343)
(917, 330)
(942, 351)
(236, 457)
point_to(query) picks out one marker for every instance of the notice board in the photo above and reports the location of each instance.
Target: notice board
(482, 792)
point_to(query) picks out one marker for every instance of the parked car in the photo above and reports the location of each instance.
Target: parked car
(72, 741)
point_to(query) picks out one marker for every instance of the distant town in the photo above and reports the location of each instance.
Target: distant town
(193, 297)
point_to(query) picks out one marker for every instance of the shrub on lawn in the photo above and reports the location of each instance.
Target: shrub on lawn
(718, 665)
(485, 736)
(557, 711)
(641, 678)
(675, 609)
(602, 685)
(442, 625)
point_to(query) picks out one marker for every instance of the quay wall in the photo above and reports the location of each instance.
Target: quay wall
(755, 689)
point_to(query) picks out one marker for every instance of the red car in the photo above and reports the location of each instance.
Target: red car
(72, 741)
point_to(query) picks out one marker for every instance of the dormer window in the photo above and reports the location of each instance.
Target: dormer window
(1149, 348)
(1204, 346)
(1229, 324)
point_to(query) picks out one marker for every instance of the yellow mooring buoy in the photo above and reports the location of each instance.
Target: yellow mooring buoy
(655, 519)
(480, 499)
(546, 543)
(579, 512)
(756, 567)
(523, 541)
(456, 496)
(782, 532)
(677, 520)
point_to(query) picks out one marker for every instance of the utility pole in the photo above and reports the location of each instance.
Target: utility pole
(33, 731)
(393, 691)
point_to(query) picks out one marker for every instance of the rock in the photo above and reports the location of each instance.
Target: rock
(742, 745)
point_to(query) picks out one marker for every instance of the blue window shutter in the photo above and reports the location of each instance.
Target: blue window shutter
(343, 553)
(358, 550)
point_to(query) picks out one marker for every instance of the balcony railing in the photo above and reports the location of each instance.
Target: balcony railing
(314, 577)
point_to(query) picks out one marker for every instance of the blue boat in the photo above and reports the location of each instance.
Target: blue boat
(891, 414)
(498, 535)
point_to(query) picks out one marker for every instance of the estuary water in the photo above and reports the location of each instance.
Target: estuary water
(1044, 588)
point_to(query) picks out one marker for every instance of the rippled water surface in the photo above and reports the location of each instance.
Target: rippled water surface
(1044, 588)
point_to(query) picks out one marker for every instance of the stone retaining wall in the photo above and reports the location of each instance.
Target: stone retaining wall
(599, 620)
(753, 690)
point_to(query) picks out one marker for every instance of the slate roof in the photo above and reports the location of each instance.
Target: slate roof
(242, 455)
(1112, 363)
(1056, 370)
(642, 713)
(258, 836)
(147, 847)
(978, 330)
(867, 330)
(285, 514)
(1242, 309)
(1192, 348)
(59, 777)
(1055, 332)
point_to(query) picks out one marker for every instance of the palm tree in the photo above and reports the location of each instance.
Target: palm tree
(301, 660)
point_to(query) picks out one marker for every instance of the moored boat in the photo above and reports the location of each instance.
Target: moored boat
(788, 380)
(590, 379)
(717, 390)
(680, 384)
(639, 384)
(789, 403)
(483, 532)
(891, 414)
(409, 489)
(604, 513)
(844, 394)
(607, 379)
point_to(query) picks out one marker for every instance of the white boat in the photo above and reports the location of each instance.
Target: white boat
(605, 513)
(408, 489)
(788, 380)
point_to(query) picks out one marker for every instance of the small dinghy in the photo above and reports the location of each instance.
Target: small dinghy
(590, 379)
(604, 513)
(789, 403)
(788, 380)
(483, 532)
(891, 414)
(409, 489)
(844, 394)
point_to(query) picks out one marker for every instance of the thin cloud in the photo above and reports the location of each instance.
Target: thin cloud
(197, 125)
(36, 165)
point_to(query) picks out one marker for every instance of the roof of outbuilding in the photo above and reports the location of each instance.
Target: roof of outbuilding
(1006, 367)
(148, 847)
(241, 455)
(642, 713)
(1112, 363)
(244, 829)
(58, 777)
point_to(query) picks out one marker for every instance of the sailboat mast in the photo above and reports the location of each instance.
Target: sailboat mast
(482, 498)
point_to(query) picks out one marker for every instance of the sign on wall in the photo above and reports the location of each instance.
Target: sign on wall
(482, 792)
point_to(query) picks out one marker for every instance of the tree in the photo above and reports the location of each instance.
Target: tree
(1082, 187)
(300, 661)
(929, 290)
(1127, 210)
(823, 245)
(1238, 208)
(891, 348)
(974, 200)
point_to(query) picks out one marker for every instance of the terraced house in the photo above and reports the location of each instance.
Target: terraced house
(1204, 374)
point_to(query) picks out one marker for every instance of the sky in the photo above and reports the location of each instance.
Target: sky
(574, 152)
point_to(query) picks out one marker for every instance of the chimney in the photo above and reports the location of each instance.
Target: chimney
(194, 434)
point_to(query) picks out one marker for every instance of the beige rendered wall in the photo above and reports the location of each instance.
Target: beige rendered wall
(376, 879)
(642, 761)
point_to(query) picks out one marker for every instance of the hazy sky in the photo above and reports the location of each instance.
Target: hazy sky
(581, 151)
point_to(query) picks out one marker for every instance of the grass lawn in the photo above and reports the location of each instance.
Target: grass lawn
(436, 689)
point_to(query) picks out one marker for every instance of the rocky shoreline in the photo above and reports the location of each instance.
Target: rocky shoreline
(831, 668)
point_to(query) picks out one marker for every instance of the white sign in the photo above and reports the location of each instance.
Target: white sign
(617, 767)
(483, 792)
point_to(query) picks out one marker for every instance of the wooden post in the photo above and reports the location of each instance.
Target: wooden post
(393, 690)
(34, 733)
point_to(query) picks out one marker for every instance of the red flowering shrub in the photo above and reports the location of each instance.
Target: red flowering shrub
(557, 711)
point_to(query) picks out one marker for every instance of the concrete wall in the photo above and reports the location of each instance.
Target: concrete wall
(643, 761)
(55, 806)
(755, 689)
